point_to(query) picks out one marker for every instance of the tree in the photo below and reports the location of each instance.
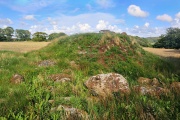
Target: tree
(8, 32)
(40, 36)
(170, 40)
(2, 36)
(23, 35)
(55, 35)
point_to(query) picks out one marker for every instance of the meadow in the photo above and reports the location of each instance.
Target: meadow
(79, 57)
(22, 47)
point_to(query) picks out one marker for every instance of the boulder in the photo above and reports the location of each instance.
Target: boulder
(17, 79)
(106, 84)
(71, 113)
(60, 77)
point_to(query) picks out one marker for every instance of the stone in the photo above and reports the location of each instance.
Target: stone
(144, 81)
(147, 81)
(106, 84)
(74, 65)
(175, 87)
(46, 63)
(60, 77)
(17, 79)
(82, 52)
(150, 90)
(71, 113)
(150, 87)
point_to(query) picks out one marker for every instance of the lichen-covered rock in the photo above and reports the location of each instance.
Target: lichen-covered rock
(150, 90)
(106, 84)
(150, 87)
(60, 77)
(71, 113)
(17, 79)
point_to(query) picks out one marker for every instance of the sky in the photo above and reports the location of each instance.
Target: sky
(144, 18)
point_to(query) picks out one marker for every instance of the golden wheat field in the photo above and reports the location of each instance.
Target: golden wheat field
(164, 52)
(22, 47)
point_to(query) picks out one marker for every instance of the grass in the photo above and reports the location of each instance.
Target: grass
(102, 54)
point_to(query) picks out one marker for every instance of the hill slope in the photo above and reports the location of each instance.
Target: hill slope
(78, 57)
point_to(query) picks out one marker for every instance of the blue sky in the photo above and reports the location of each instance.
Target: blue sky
(145, 18)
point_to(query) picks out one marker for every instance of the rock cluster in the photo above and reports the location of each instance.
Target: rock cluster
(150, 87)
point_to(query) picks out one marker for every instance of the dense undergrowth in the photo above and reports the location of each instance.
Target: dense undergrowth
(90, 54)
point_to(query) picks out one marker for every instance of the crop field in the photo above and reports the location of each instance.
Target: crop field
(22, 47)
(164, 52)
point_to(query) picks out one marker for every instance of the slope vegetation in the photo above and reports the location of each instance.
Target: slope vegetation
(76, 58)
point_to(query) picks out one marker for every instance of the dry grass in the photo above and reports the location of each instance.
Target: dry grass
(22, 47)
(164, 52)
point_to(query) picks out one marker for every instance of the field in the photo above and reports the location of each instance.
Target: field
(22, 47)
(164, 52)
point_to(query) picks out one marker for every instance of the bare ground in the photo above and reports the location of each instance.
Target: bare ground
(164, 52)
(22, 47)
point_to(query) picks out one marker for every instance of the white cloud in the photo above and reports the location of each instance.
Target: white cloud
(6, 21)
(29, 17)
(178, 15)
(146, 24)
(105, 3)
(145, 31)
(136, 11)
(102, 25)
(105, 25)
(176, 21)
(136, 26)
(78, 24)
(164, 17)
(52, 22)
(84, 27)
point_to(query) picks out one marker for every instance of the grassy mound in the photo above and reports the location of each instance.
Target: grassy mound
(81, 56)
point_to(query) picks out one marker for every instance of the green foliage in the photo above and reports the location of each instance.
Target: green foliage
(6, 34)
(56, 35)
(39, 36)
(170, 40)
(22, 35)
(142, 41)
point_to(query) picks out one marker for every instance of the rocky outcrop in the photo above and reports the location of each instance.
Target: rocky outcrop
(17, 79)
(46, 63)
(71, 113)
(150, 87)
(106, 84)
(60, 77)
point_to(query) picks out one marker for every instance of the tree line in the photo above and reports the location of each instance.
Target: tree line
(170, 40)
(9, 34)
